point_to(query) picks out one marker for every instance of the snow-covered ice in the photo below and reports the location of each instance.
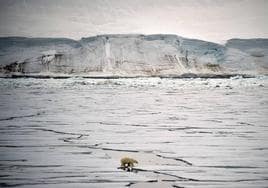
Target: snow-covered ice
(183, 132)
(131, 55)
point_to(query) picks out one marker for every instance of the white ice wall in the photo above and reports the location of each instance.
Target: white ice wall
(130, 55)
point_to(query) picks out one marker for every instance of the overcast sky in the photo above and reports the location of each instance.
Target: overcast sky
(213, 20)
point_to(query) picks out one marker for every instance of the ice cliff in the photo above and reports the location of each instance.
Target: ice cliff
(131, 55)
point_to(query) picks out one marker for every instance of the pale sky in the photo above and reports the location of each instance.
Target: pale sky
(212, 20)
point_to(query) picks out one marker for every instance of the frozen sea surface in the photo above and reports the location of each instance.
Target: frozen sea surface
(184, 132)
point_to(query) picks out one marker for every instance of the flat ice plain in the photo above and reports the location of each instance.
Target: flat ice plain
(184, 132)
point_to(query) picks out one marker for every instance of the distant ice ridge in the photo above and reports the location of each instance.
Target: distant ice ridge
(131, 56)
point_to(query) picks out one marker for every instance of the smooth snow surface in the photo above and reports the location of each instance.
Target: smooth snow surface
(183, 132)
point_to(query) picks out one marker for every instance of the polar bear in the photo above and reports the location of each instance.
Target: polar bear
(128, 163)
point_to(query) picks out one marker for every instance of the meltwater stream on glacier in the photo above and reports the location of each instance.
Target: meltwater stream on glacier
(183, 132)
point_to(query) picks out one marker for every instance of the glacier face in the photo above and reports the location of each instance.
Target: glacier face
(131, 55)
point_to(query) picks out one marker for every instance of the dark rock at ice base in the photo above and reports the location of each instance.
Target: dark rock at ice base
(119, 55)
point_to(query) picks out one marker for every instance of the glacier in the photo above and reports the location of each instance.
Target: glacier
(131, 55)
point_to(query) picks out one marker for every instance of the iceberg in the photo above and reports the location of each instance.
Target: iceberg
(132, 55)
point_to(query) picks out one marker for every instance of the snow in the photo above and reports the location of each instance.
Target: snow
(73, 132)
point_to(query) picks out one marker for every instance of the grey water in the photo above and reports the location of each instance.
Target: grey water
(183, 132)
